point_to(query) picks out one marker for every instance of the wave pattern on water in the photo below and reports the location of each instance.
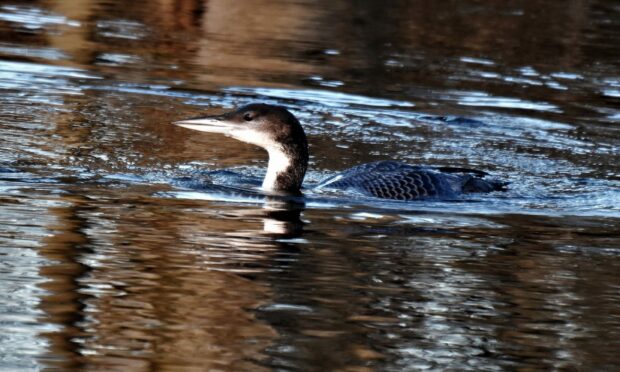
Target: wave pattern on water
(128, 243)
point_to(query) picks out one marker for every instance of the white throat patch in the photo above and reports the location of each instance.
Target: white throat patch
(278, 163)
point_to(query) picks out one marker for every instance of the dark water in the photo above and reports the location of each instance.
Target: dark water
(106, 265)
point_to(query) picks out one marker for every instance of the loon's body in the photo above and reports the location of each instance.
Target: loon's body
(278, 131)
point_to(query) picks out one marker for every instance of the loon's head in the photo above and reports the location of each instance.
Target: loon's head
(271, 127)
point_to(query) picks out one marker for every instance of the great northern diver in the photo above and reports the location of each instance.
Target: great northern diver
(279, 132)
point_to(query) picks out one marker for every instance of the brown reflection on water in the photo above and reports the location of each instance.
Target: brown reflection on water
(136, 288)
(380, 50)
(139, 282)
(549, 302)
(257, 37)
(64, 306)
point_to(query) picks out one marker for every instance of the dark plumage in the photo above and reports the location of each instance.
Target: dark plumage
(400, 181)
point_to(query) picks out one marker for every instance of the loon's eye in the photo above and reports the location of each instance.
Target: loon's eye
(248, 116)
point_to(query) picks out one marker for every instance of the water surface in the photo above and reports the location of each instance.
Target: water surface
(107, 263)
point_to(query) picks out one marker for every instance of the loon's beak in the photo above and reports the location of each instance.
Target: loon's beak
(211, 124)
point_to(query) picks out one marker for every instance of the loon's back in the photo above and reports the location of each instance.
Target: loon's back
(400, 181)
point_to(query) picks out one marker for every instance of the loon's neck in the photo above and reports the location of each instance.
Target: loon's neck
(287, 168)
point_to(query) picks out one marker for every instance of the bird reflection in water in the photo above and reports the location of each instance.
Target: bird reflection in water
(283, 218)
